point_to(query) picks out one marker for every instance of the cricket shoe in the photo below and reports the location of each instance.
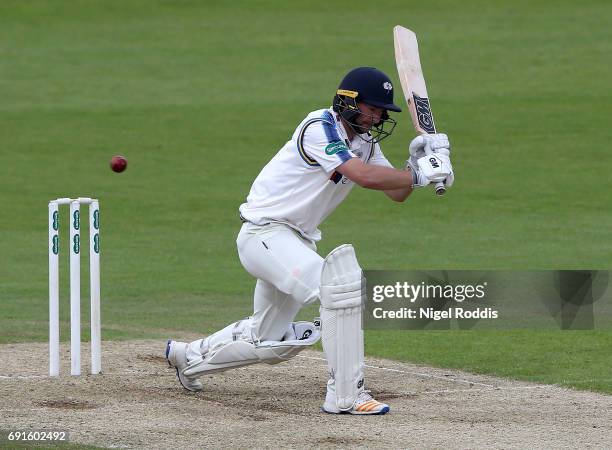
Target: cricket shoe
(365, 405)
(176, 355)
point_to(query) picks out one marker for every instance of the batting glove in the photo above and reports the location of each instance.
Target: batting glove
(433, 142)
(418, 180)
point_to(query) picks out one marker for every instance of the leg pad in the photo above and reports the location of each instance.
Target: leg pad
(241, 352)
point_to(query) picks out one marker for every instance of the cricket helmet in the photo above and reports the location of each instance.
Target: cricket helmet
(370, 86)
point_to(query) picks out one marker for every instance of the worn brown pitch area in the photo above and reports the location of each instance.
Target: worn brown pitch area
(137, 403)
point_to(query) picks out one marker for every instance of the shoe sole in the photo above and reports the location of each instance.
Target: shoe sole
(382, 412)
(168, 351)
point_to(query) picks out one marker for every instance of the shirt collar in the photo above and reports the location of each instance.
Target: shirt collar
(340, 125)
(356, 141)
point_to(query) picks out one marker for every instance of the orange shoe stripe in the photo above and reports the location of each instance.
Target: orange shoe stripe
(368, 406)
(363, 406)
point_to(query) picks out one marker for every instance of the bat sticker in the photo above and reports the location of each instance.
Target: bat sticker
(424, 114)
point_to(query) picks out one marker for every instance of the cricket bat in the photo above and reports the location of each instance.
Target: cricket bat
(413, 84)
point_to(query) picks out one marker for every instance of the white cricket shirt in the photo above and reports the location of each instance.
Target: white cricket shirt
(300, 186)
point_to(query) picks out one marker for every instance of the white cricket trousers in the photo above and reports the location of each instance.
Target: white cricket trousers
(288, 272)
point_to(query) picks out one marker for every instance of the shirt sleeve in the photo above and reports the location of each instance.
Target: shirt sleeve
(378, 158)
(319, 144)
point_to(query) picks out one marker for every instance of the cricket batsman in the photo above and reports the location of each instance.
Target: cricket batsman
(330, 152)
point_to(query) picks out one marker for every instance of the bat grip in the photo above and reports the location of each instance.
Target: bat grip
(440, 189)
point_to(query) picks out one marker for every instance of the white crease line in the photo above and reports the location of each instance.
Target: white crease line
(590, 380)
(488, 387)
(104, 374)
(418, 374)
(22, 410)
(493, 389)
(426, 375)
(22, 377)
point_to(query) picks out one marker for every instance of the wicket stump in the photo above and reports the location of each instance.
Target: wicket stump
(75, 284)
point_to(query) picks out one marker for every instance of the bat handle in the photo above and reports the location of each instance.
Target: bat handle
(440, 188)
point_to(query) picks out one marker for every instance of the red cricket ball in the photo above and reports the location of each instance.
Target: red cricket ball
(118, 163)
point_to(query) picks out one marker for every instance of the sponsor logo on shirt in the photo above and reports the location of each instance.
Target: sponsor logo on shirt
(335, 147)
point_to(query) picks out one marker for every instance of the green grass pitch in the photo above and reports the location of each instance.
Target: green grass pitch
(199, 96)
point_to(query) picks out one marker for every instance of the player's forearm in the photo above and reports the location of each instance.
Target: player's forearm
(399, 195)
(383, 178)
